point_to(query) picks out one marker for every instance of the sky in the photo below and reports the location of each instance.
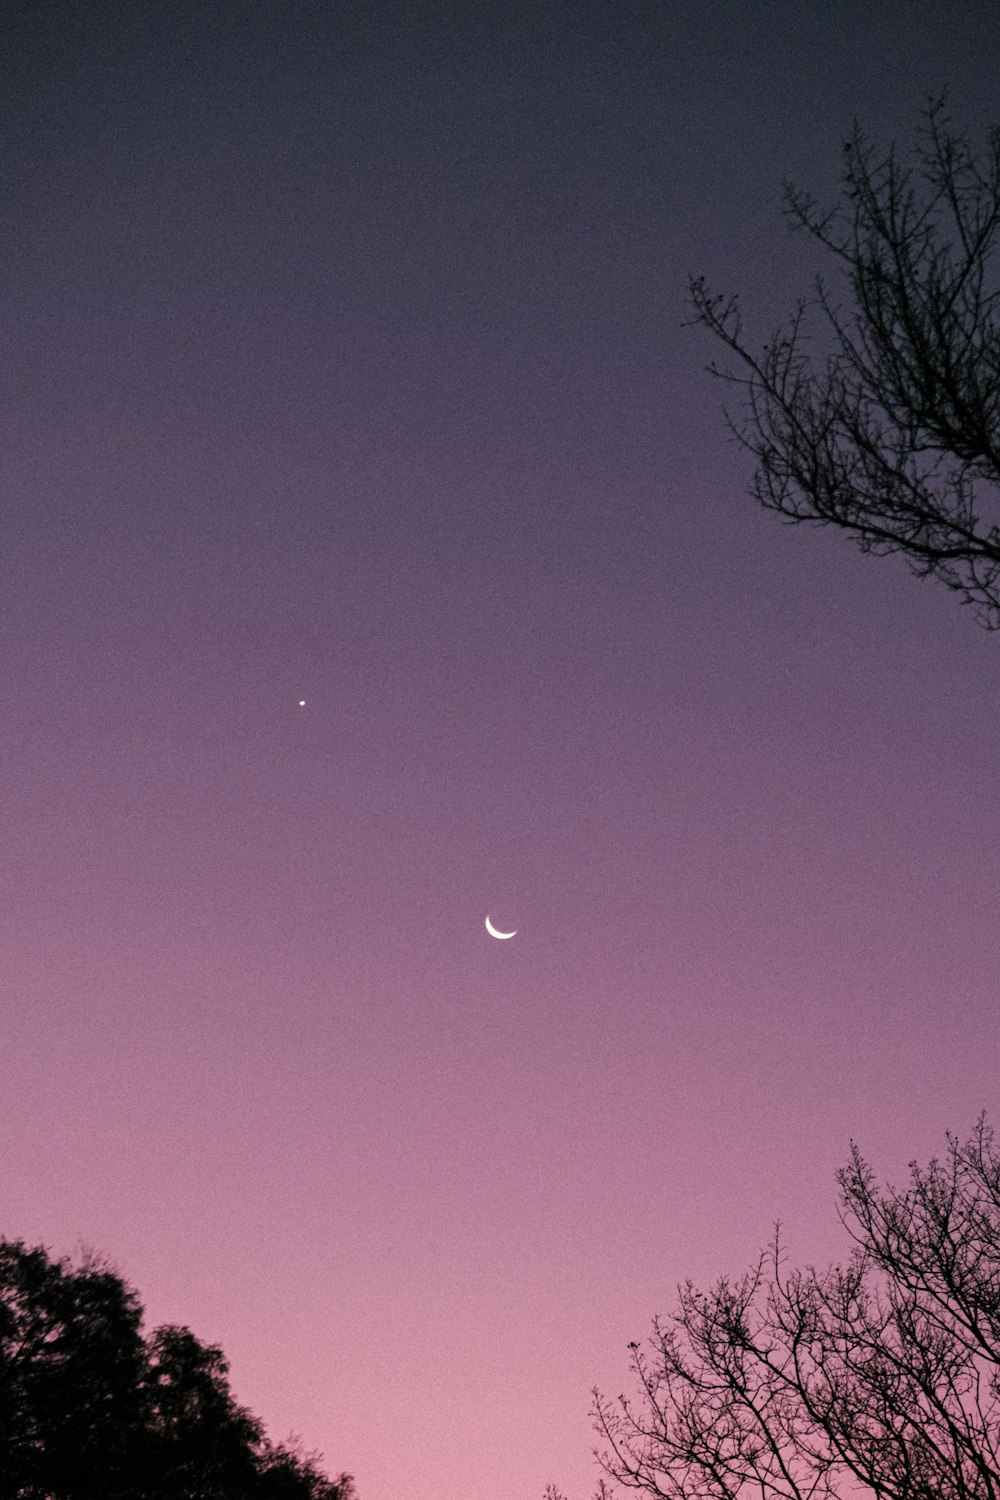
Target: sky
(373, 558)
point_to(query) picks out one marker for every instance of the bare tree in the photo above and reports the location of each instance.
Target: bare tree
(895, 435)
(881, 1378)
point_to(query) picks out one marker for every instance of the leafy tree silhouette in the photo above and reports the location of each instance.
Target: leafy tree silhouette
(89, 1410)
(895, 438)
(205, 1442)
(72, 1364)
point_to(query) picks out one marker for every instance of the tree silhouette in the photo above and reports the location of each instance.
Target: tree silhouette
(72, 1363)
(880, 1378)
(895, 437)
(200, 1437)
(91, 1411)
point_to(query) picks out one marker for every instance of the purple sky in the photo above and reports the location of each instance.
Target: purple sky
(344, 361)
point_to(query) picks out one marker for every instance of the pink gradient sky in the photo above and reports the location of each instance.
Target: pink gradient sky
(343, 361)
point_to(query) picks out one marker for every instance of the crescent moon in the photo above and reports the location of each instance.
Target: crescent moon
(493, 932)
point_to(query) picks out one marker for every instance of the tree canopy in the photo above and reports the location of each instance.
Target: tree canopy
(90, 1410)
(895, 436)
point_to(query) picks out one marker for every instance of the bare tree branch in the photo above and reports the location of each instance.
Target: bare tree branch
(895, 435)
(880, 1377)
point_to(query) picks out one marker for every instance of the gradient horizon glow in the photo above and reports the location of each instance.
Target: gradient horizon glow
(373, 557)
